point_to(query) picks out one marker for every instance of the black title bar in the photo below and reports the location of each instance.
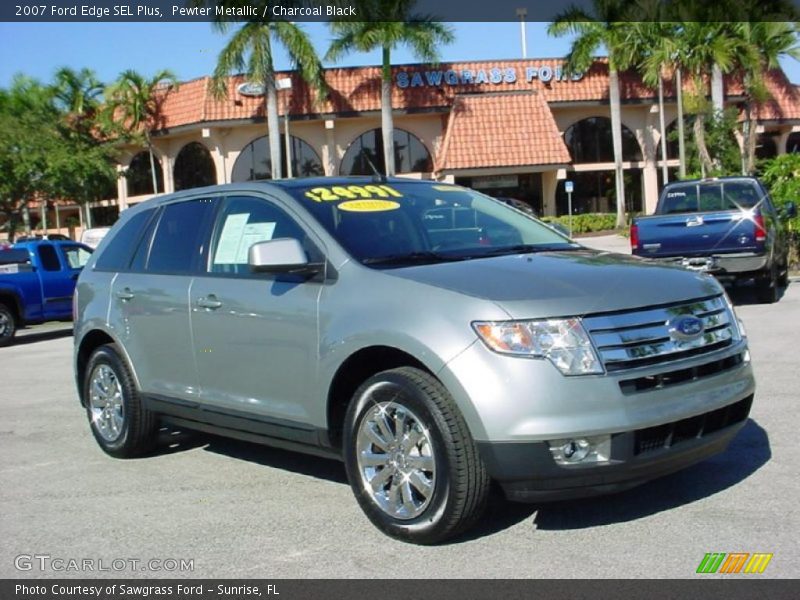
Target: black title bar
(441, 10)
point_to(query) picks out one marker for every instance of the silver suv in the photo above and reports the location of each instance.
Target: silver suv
(432, 338)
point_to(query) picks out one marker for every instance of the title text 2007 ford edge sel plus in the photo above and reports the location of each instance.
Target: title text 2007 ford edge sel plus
(432, 337)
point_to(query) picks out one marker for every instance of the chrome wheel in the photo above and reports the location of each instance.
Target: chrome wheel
(105, 402)
(395, 458)
(5, 324)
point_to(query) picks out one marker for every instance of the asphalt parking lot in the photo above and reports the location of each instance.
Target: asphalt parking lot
(241, 510)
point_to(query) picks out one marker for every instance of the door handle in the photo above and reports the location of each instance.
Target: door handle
(125, 295)
(210, 302)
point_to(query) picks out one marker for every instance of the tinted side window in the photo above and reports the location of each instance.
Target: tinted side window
(180, 237)
(49, 258)
(117, 254)
(246, 221)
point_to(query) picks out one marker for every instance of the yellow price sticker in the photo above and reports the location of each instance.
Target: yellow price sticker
(351, 192)
(368, 205)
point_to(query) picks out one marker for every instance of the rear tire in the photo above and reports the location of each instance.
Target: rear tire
(411, 461)
(122, 426)
(8, 326)
(783, 280)
(768, 290)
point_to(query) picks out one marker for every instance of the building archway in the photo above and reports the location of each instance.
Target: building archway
(766, 146)
(194, 167)
(254, 163)
(139, 176)
(410, 154)
(589, 141)
(793, 142)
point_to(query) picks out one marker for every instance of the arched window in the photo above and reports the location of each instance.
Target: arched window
(766, 146)
(410, 154)
(672, 139)
(194, 167)
(793, 142)
(254, 162)
(139, 175)
(589, 141)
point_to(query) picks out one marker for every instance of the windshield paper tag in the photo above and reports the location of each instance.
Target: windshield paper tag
(352, 192)
(368, 205)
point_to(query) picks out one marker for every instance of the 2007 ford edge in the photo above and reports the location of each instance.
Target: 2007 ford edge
(433, 338)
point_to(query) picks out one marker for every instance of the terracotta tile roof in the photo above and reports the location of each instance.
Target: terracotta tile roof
(785, 101)
(357, 89)
(501, 130)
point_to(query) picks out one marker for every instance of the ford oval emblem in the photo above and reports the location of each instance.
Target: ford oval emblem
(250, 88)
(685, 328)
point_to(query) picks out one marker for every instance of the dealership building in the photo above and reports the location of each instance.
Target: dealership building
(514, 128)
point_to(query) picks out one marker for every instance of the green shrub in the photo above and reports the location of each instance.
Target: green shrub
(586, 223)
(781, 175)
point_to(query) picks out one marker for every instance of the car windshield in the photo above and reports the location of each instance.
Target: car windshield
(400, 223)
(709, 196)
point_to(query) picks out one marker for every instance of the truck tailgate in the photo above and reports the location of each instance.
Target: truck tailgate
(695, 234)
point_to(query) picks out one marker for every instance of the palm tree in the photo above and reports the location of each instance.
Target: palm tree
(699, 47)
(250, 49)
(762, 44)
(134, 102)
(77, 94)
(649, 44)
(605, 26)
(386, 25)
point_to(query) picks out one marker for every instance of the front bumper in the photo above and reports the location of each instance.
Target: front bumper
(528, 473)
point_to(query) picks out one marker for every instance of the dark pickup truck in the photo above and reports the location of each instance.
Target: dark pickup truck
(37, 280)
(728, 227)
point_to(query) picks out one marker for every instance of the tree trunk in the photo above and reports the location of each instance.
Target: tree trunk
(664, 171)
(152, 165)
(26, 220)
(273, 126)
(700, 138)
(681, 132)
(387, 123)
(750, 140)
(616, 136)
(717, 91)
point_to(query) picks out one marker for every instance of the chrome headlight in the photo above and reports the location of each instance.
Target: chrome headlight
(564, 342)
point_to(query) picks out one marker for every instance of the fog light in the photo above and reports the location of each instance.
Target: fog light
(581, 450)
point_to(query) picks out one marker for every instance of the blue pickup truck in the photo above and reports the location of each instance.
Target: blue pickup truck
(728, 227)
(37, 280)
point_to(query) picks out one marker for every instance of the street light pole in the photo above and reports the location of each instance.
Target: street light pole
(286, 84)
(522, 13)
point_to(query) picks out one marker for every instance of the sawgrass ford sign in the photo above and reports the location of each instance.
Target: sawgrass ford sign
(494, 75)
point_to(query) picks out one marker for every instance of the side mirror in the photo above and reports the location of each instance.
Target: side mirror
(790, 210)
(283, 255)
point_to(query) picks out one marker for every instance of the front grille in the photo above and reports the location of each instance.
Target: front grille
(662, 380)
(672, 434)
(630, 339)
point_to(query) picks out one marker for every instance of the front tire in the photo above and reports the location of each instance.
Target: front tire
(8, 326)
(122, 426)
(410, 459)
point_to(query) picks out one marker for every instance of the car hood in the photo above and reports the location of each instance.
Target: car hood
(573, 283)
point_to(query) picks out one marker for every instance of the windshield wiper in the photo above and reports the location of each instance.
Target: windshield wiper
(410, 258)
(528, 249)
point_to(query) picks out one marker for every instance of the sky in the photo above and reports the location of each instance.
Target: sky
(190, 49)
